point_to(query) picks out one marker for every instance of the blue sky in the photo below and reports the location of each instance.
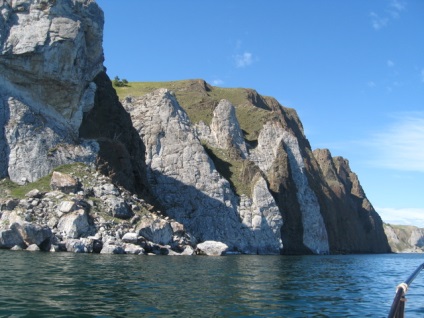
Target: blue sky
(353, 70)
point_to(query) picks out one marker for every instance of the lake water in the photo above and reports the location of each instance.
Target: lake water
(93, 285)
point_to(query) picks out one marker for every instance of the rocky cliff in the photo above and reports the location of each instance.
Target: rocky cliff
(213, 164)
(405, 238)
(322, 205)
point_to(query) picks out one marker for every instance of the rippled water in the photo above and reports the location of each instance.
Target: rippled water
(83, 285)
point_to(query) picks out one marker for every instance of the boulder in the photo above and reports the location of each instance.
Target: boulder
(109, 248)
(118, 208)
(33, 248)
(34, 234)
(10, 204)
(66, 206)
(130, 237)
(156, 230)
(133, 249)
(64, 182)
(10, 238)
(75, 224)
(35, 193)
(83, 245)
(211, 248)
(188, 250)
(105, 189)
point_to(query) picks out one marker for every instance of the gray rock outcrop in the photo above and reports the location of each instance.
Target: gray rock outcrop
(272, 139)
(186, 182)
(60, 221)
(212, 248)
(243, 176)
(50, 52)
(224, 131)
(405, 238)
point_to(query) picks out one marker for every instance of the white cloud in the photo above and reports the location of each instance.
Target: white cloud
(243, 60)
(371, 84)
(378, 22)
(390, 63)
(393, 11)
(401, 145)
(396, 7)
(403, 216)
(217, 82)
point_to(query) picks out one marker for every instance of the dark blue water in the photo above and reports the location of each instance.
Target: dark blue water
(83, 285)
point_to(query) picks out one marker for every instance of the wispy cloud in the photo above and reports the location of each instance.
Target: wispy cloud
(401, 145)
(396, 7)
(243, 60)
(393, 11)
(217, 82)
(404, 216)
(371, 84)
(390, 63)
(378, 22)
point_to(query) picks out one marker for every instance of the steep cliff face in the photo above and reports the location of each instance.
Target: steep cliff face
(225, 165)
(57, 105)
(322, 205)
(349, 212)
(187, 184)
(50, 52)
(405, 238)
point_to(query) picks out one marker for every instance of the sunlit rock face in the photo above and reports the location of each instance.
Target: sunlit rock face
(224, 131)
(185, 181)
(273, 140)
(50, 52)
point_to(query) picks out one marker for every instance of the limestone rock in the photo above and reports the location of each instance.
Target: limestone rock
(118, 208)
(262, 216)
(211, 248)
(75, 224)
(271, 138)
(50, 52)
(63, 182)
(156, 230)
(133, 249)
(105, 189)
(405, 238)
(10, 238)
(34, 194)
(34, 234)
(109, 248)
(82, 245)
(57, 41)
(67, 206)
(224, 131)
(130, 237)
(33, 248)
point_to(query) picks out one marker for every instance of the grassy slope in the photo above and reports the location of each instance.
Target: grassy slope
(11, 189)
(199, 100)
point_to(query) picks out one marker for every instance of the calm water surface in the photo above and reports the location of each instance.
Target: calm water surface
(83, 285)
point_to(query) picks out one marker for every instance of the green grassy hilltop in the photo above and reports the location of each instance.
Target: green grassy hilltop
(199, 99)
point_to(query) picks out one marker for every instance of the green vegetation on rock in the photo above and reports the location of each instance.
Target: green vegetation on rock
(199, 100)
(11, 189)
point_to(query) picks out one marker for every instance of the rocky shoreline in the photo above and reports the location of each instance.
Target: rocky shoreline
(161, 170)
(92, 215)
